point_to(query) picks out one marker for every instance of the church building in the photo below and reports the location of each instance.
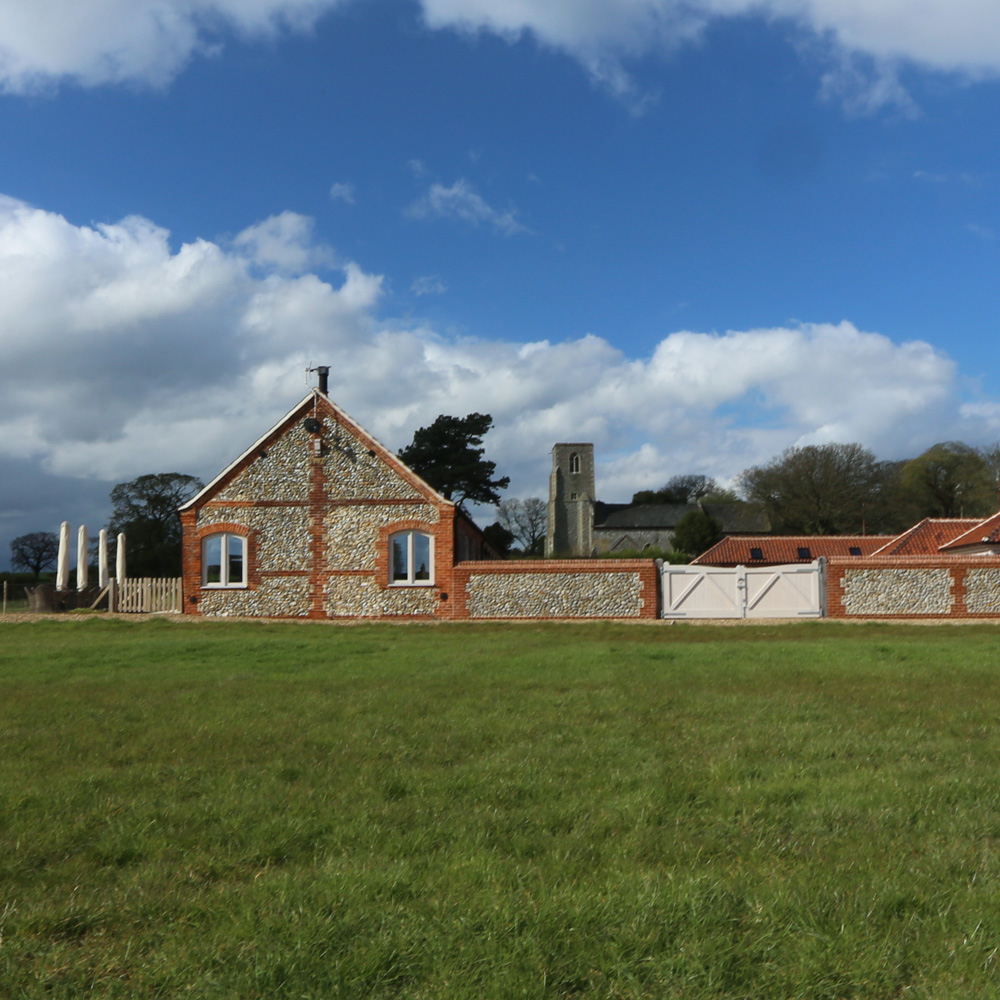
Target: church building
(580, 525)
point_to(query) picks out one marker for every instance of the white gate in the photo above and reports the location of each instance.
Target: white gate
(796, 590)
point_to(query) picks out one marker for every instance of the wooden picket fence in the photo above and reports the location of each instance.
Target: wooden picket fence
(148, 595)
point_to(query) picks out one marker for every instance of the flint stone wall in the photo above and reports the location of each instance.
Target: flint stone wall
(282, 540)
(353, 474)
(279, 472)
(360, 596)
(554, 595)
(982, 591)
(352, 532)
(277, 597)
(898, 592)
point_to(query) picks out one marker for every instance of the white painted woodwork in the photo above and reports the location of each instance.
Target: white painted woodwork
(794, 590)
(102, 558)
(62, 566)
(120, 560)
(82, 563)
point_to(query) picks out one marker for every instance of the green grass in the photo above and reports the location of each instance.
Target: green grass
(541, 811)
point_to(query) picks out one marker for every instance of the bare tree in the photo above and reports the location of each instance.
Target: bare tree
(34, 552)
(525, 520)
(687, 488)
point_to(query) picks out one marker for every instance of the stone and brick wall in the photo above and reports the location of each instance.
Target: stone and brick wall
(318, 500)
(578, 588)
(913, 587)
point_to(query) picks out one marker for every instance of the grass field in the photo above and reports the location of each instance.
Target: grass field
(541, 811)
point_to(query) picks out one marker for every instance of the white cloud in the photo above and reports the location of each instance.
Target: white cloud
(866, 40)
(93, 42)
(428, 284)
(342, 192)
(149, 42)
(283, 242)
(121, 355)
(462, 201)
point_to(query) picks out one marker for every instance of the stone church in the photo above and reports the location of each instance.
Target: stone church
(580, 525)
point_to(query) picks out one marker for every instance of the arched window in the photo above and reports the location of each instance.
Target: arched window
(574, 462)
(224, 560)
(412, 559)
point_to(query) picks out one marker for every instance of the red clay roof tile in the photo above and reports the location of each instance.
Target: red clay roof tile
(778, 549)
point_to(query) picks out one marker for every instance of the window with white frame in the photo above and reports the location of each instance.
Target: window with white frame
(224, 560)
(574, 463)
(412, 557)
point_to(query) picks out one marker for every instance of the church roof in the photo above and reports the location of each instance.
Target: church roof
(732, 518)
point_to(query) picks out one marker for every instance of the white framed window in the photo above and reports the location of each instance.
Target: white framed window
(411, 555)
(574, 463)
(224, 560)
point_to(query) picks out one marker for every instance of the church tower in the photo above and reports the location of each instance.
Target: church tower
(571, 501)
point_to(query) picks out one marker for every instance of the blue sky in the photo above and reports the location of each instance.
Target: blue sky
(694, 234)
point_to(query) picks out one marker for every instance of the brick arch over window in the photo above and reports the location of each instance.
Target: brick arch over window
(383, 560)
(251, 552)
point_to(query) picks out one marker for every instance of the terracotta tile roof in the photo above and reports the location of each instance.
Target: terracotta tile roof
(929, 536)
(984, 531)
(778, 549)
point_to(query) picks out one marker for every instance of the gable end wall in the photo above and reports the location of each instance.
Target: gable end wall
(317, 524)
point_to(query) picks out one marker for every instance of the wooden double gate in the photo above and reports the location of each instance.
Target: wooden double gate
(797, 590)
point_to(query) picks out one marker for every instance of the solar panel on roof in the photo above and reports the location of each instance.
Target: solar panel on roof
(756, 553)
(854, 550)
(804, 552)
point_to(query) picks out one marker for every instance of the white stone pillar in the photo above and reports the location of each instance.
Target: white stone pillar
(120, 560)
(62, 566)
(102, 558)
(82, 563)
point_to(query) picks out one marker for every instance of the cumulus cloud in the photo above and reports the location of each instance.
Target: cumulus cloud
(462, 201)
(284, 243)
(122, 354)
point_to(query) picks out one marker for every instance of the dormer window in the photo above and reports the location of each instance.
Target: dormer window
(574, 463)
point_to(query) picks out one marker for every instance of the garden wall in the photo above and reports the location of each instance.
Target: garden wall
(913, 587)
(557, 588)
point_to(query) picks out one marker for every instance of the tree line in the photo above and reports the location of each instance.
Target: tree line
(843, 489)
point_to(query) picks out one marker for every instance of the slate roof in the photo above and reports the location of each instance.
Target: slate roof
(781, 549)
(732, 518)
(649, 515)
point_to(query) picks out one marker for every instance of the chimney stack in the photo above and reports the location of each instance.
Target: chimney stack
(323, 371)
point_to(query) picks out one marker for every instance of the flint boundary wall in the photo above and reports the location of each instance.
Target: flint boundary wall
(913, 587)
(556, 588)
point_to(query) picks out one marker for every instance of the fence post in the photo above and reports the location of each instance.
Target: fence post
(5, 585)
(112, 594)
